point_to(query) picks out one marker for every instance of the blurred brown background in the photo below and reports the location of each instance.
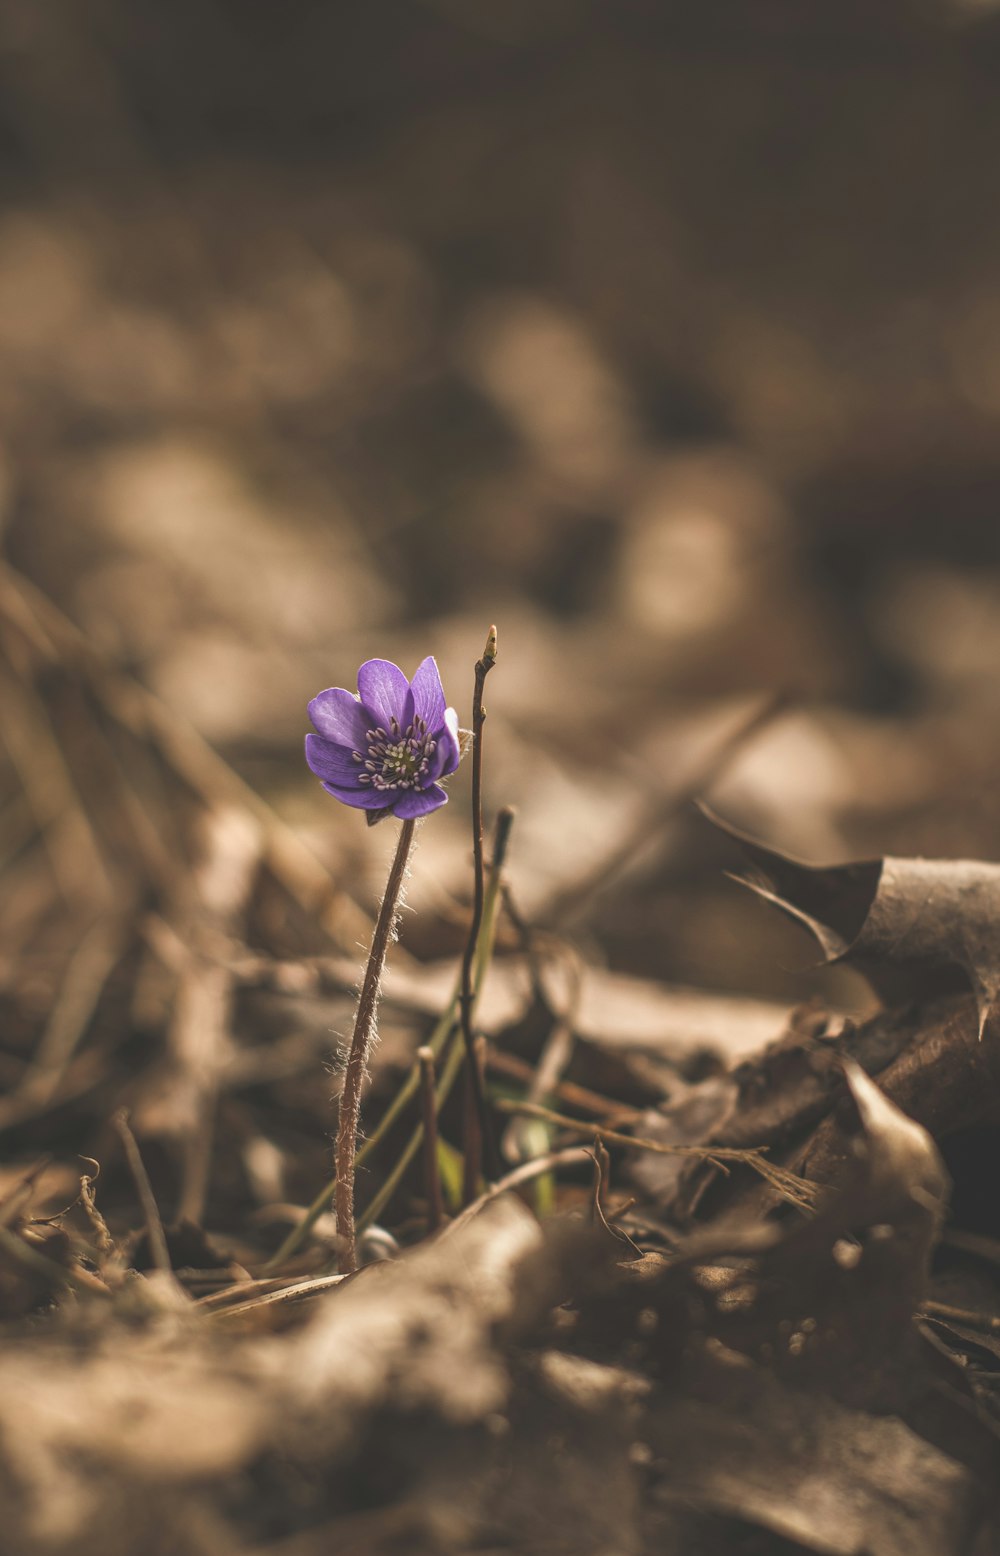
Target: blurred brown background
(665, 335)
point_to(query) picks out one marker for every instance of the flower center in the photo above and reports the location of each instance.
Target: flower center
(396, 758)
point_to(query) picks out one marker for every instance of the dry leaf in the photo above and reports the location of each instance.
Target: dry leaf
(838, 1481)
(924, 918)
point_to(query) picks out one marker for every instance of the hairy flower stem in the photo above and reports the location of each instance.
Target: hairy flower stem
(478, 1130)
(360, 1051)
(440, 1042)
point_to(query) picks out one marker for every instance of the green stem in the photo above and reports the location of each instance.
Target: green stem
(432, 1174)
(455, 1054)
(447, 1025)
(449, 1075)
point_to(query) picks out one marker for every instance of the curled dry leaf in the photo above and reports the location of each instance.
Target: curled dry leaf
(794, 1399)
(902, 1171)
(922, 920)
(827, 1298)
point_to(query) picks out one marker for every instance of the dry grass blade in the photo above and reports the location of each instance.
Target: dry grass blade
(150, 1210)
(281, 1294)
(21, 1194)
(799, 1190)
(76, 858)
(574, 1156)
(987, 1323)
(86, 975)
(567, 1091)
(572, 902)
(46, 637)
(52, 1275)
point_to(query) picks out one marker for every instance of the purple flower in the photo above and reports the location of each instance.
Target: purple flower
(385, 749)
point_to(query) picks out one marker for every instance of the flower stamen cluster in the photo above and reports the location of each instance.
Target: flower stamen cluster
(401, 761)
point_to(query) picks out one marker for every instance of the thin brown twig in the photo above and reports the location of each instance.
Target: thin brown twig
(571, 1156)
(556, 1054)
(568, 1091)
(976, 1243)
(986, 1323)
(602, 1178)
(528, 937)
(571, 902)
(74, 853)
(51, 638)
(155, 1235)
(87, 972)
(20, 1195)
(428, 1107)
(598, 1208)
(472, 1132)
(360, 1050)
(558, 1047)
(799, 1190)
(17, 827)
(477, 1133)
(86, 976)
(21, 1105)
(279, 1292)
(586, 1127)
(239, 1290)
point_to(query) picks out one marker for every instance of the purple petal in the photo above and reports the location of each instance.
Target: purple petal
(448, 754)
(362, 799)
(339, 717)
(428, 694)
(417, 802)
(332, 762)
(383, 688)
